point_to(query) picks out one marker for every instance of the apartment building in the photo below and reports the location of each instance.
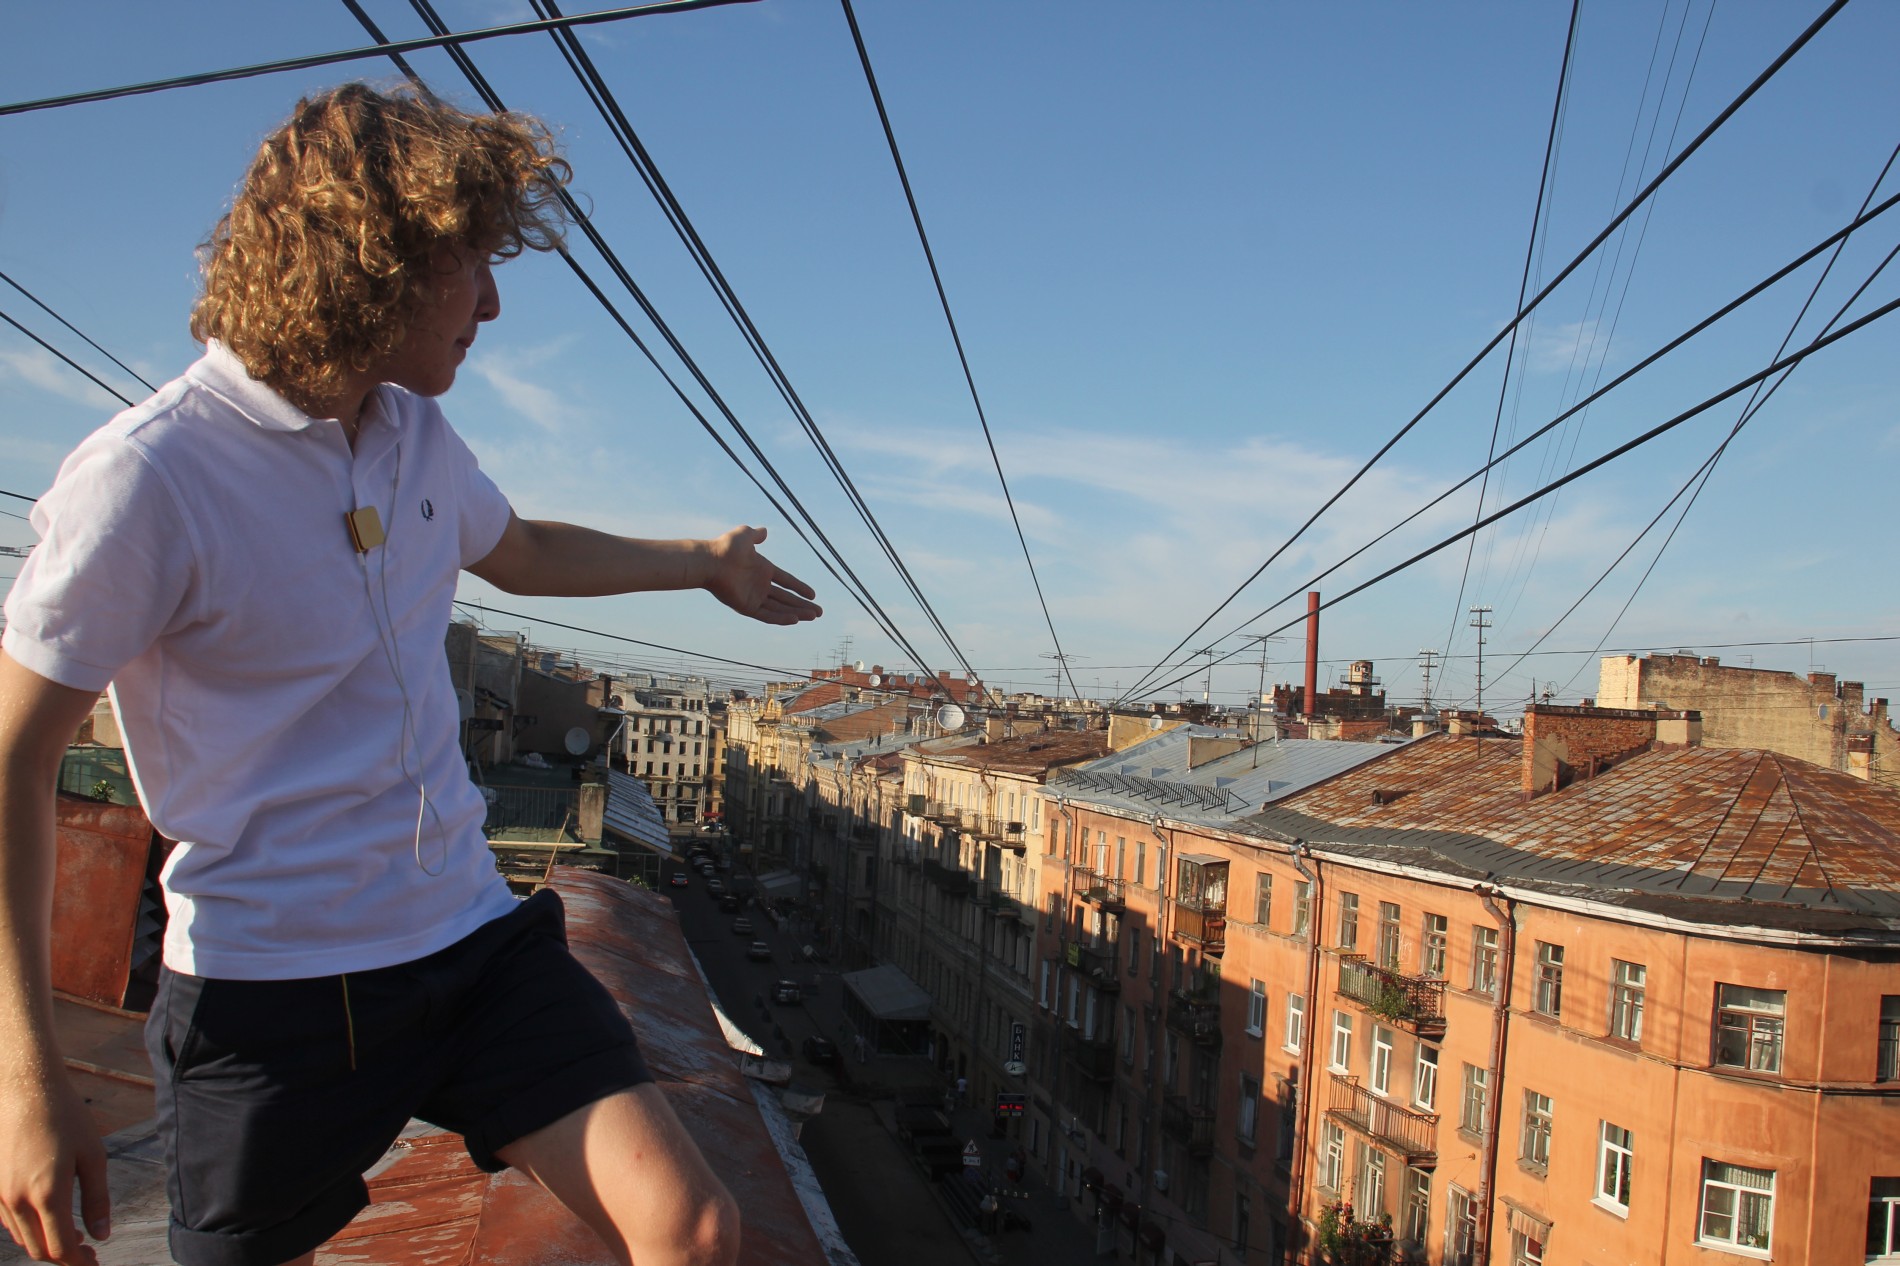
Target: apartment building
(1598, 994)
(666, 741)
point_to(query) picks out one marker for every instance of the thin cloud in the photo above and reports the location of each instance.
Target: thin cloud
(39, 368)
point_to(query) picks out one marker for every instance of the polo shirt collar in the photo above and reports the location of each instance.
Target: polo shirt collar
(222, 374)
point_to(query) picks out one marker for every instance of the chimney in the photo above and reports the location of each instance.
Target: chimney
(1563, 745)
(593, 810)
(1312, 653)
(1822, 681)
(1421, 726)
(995, 728)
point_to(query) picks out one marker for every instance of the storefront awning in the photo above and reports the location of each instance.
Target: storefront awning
(888, 994)
(780, 883)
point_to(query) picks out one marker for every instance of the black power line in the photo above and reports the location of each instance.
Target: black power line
(943, 298)
(608, 106)
(1602, 236)
(73, 364)
(1838, 236)
(359, 54)
(1531, 498)
(76, 330)
(485, 609)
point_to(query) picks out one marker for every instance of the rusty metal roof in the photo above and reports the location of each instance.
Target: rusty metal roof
(1033, 753)
(1689, 829)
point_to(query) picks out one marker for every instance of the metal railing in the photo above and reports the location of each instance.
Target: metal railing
(534, 808)
(1415, 1001)
(1195, 1015)
(949, 878)
(1413, 1134)
(1197, 923)
(1096, 961)
(1098, 889)
(1188, 1123)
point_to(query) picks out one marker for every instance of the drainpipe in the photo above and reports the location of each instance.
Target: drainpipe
(1055, 1029)
(1296, 1195)
(1494, 1074)
(1144, 1164)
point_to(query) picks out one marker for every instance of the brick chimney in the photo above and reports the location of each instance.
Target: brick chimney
(1563, 745)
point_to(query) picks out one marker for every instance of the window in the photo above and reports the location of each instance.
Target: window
(1121, 857)
(1241, 1227)
(1887, 1063)
(1257, 1008)
(1432, 956)
(1381, 1059)
(1295, 1021)
(1534, 1147)
(1738, 1206)
(1128, 1036)
(1263, 899)
(1627, 983)
(1883, 1220)
(1548, 997)
(1332, 1155)
(1416, 1212)
(1471, 1106)
(1389, 935)
(1141, 860)
(1348, 921)
(1425, 1077)
(1052, 908)
(1342, 1042)
(1289, 1116)
(1249, 1107)
(1302, 907)
(1484, 960)
(1461, 1229)
(1616, 1151)
(1748, 1027)
(1370, 1198)
(1526, 1251)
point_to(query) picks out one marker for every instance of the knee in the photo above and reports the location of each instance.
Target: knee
(713, 1234)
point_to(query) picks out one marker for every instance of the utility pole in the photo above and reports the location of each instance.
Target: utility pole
(1481, 620)
(1207, 686)
(1426, 659)
(1260, 694)
(1062, 659)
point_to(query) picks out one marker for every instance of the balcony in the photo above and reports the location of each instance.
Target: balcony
(1203, 924)
(1417, 1002)
(1188, 1123)
(865, 835)
(1015, 837)
(1005, 905)
(1097, 962)
(943, 814)
(1093, 1057)
(949, 878)
(1195, 1015)
(983, 826)
(1098, 889)
(1413, 1135)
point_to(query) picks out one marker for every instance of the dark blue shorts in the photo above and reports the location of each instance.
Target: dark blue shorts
(274, 1096)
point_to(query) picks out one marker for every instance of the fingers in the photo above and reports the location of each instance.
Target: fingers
(785, 580)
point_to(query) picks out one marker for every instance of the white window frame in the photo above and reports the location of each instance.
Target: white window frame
(1474, 1099)
(1547, 996)
(1629, 984)
(1886, 1208)
(1740, 1197)
(1762, 1027)
(1615, 1156)
(1484, 953)
(1379, 1071)
(1415, 1206)
(1434, 945)
(1339, 1054)
(1534, 1140)
(1257, 1008)
(1332, 1155)
(1295, 1022)
(1425, 1078)
(1247, 1118)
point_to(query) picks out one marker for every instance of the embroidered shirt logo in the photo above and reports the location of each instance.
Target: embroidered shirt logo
(428, 508)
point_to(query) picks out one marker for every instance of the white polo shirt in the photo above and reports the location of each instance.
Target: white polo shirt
(194, 554)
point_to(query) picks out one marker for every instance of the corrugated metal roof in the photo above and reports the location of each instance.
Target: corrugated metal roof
(632, 813)
(1678, 824)
(888, 993)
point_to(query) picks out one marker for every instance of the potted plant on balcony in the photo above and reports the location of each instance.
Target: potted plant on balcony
(1346, 1241)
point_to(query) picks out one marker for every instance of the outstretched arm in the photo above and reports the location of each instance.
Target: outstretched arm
(46, 1136)
(562, 560)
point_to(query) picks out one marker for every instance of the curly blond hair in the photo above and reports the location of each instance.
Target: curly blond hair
(315, 272)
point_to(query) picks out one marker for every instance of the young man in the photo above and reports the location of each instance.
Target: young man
(260, 561)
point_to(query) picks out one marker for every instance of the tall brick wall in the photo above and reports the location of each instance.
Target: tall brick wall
(1562, 744)
(1816, 718)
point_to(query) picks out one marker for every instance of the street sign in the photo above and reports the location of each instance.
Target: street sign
(1016, 1038)
(972, 1155)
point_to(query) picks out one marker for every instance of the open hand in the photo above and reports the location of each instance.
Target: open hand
(48, 1140)
(750, 584)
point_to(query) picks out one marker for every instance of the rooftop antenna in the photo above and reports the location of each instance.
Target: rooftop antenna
(1062, 659)
(1207, 686)
(1426, 660)
(1480, 620)
(1260, 694)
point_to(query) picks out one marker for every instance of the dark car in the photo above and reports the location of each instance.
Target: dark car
(679, 879)
(742, 926)
(821, 1050)
(730, 901)
(715, 887)
(759, 952)
(787, 991)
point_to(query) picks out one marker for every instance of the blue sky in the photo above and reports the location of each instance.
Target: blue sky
(1204, 258)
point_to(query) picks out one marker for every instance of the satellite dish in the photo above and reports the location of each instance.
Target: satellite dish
(577, 741)
(464, 704)
(950, 717)
(1155, 723)
(874, 681)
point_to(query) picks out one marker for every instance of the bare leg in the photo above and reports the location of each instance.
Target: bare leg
(628, 1169)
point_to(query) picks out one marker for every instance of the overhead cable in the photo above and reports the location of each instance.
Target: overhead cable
(1604, 459)
(76, 330)
(447, 40)
(943, 298)
(608, 106)
(485, 609)
(1833, 239)
(1602, 236)
(855, 588)
(18, 496)
(71, 363)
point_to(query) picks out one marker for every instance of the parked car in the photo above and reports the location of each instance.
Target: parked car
(759, 952)
(787, 991)
(730, 901)
(742, 926)
(679, 879)
(821, 1050)
(715, 887)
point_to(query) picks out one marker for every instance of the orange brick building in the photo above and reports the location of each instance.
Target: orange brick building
(1596, 995)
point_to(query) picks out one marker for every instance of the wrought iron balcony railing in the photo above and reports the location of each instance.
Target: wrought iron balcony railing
(1096, 961)
(1414, 1135)
(1098, 889)
(952, 880)
(1195, 1015)
(1188, 1123)
(1418, 1002)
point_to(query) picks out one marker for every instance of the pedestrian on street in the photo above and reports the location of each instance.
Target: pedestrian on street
(963, 1091)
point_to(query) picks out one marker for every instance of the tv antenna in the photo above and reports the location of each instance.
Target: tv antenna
(1061, 669)
(1480, 620)
(1426, 660)
(1260, 693)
